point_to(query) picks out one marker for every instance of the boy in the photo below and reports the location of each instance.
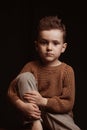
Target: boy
(44, 90)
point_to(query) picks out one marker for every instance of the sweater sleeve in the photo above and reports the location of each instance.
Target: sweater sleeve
(12, 89)
(64, 103)
(12, 93)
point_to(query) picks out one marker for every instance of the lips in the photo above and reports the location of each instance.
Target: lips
(49, 54)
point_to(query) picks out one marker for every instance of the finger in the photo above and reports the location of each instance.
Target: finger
(35, 116)
(29, 96)
(32, 92)
(32, 102)
(30, 99)
(35, 106)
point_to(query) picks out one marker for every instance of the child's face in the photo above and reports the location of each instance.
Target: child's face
(50, 45)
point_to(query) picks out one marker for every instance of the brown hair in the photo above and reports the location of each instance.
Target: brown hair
(51, 22)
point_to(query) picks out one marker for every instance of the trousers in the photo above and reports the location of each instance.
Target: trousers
(26, 82)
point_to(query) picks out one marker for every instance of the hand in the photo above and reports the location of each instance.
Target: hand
(31, 110)
(36, 98)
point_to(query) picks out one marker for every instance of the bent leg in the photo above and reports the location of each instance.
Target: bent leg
(26, 82)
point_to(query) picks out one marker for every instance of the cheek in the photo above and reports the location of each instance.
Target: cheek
(40, 50)
(58, 49)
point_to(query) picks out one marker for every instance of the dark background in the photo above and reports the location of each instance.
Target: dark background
(18, 21)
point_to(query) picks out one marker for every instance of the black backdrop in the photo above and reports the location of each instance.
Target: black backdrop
(18, 20)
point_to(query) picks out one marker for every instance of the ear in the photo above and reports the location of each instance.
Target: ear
(36, 45)
(64, 47)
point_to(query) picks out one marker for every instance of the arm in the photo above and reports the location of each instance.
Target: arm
(29, 109)
(12, 89)
(64, 103)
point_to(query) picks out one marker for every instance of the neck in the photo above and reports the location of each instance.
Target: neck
(55, 63)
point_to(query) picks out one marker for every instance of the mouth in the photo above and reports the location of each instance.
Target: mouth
(49, 54)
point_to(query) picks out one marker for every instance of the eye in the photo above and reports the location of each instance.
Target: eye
(43, 42)
(56, 43)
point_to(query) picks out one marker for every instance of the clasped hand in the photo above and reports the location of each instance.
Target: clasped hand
(35, 98)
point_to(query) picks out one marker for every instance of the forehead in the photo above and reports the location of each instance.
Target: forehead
(53, 34)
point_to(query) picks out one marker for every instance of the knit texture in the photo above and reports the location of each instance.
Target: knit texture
(55, 83)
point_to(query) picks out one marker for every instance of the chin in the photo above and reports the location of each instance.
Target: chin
(48, 60)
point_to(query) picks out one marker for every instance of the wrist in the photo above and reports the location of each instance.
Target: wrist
(20, 104)
(44, 102)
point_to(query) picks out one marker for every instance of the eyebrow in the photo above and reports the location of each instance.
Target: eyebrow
(48, 40)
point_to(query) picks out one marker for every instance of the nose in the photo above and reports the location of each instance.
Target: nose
(49, 47)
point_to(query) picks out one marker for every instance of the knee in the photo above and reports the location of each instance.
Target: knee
(25, 76)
